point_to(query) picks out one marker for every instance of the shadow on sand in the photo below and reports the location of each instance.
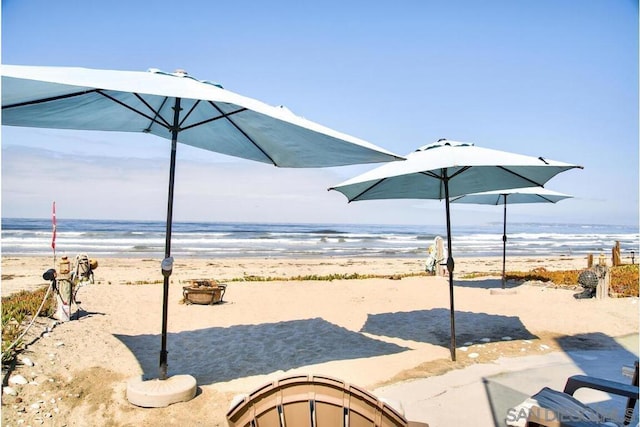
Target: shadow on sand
(223, 354)
(487, 283)
(433, 326)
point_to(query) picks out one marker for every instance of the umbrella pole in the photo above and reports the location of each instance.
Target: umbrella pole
(504, 243)
(450, 266)
(167, 268)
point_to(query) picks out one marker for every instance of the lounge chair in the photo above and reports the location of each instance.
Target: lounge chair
(551, 408)
(313, 401)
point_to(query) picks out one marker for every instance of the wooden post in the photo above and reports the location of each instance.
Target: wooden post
(590, 261)
(64, 291)
(604, 279)
(615, 255)
(63, 300)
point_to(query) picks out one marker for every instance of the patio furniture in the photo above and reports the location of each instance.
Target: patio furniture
(552, 408)
(313, 401)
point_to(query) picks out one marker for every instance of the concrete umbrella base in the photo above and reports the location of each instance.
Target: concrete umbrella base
(160, 393)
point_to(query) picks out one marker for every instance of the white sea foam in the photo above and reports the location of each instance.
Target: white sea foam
(122, 238)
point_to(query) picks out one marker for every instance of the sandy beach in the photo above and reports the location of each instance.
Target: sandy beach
(370, 332)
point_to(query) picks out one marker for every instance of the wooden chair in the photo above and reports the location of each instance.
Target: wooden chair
(313, 401)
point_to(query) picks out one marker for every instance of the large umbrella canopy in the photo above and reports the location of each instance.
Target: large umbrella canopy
(180, 108)
(447, 169)
(513, 196)
(208, 116)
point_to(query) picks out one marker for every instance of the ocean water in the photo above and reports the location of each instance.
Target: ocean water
(102, 238)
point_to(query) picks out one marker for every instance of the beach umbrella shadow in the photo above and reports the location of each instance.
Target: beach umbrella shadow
(625, 346)
(432, 326)
(486, 284)
(222, 354)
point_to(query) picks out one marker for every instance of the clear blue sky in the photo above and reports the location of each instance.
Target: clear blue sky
(552, 78)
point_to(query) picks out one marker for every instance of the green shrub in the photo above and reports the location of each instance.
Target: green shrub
(624, 278)
(560, 277)
(16, 310)
(326, 277)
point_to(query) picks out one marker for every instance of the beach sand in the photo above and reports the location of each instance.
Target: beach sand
(369, 332)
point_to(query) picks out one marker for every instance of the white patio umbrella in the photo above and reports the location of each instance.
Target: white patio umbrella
(447, 169)
(513, 196)
(182, 109)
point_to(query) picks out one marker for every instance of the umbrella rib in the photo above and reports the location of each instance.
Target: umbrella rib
(545, 198)
(226, 116)
(538, 184)
(157, 112)
(193, 107)
(464, 169)
(431, 174)
(380, 181)
(213, 119)
(44, 100)
(117, 101)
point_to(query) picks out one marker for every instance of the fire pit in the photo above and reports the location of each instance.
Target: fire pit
(204, 292)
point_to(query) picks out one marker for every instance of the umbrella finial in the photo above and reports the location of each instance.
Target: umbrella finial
(180, 72)
(443, 142)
